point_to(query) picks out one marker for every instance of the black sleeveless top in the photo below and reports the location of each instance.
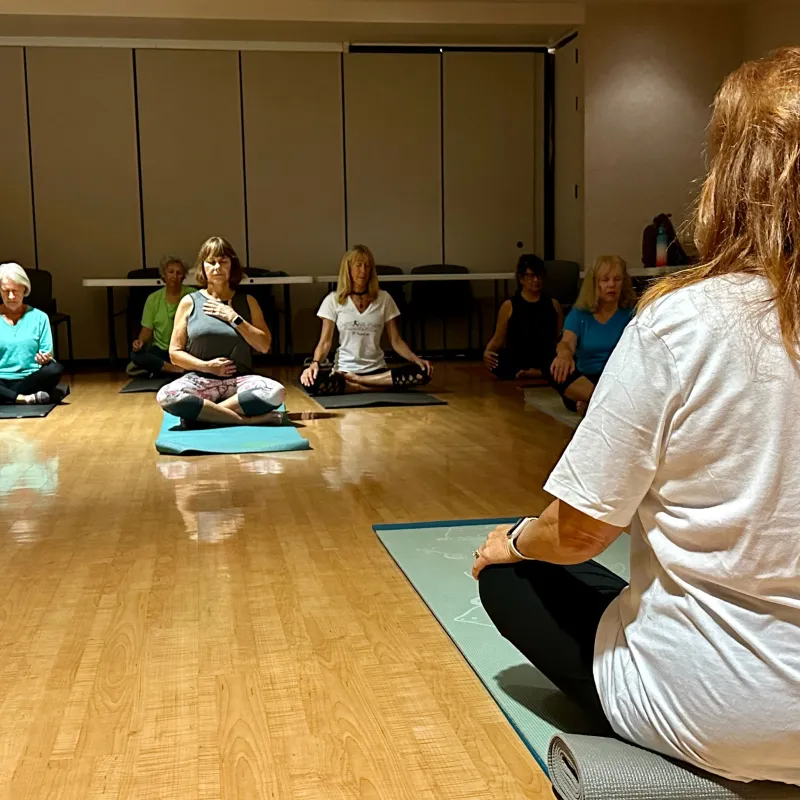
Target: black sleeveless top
(208, 338)
(532, 330)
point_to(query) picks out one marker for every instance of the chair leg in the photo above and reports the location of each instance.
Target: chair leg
(54, 334)
(69, 343)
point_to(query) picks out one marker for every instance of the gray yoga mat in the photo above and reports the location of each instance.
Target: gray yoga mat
(548, 401)
(436, 557)
(599, 768)
(146, 384)
(410, 397)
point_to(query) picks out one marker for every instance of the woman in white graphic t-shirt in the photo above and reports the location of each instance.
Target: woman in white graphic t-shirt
(360, 310)
(692, 437)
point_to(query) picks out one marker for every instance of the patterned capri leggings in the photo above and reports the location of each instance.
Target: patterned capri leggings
(184, 397)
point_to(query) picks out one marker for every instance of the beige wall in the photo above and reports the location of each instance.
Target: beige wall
(569, 143)
(651, 72)
(393, 156)
(190, 129)
(257, 154)
(86, 184)
(769, 24)
(488, 159)
(295, 171)
(16, 210)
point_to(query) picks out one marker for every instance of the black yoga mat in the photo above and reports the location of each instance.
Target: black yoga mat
(375, 399)
(19, 411)
(146, 384)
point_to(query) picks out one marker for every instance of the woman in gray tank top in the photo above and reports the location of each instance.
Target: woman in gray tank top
(215, 332)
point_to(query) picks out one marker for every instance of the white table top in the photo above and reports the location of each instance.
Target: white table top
(280, 281)
(409, 278)
(306, 279)
(647, 272)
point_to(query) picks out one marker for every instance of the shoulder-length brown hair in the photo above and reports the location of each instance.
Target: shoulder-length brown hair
(747, 218)
(589, 297)
(345, 286)
(217, 247)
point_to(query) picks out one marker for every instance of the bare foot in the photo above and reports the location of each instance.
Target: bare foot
(353, 382)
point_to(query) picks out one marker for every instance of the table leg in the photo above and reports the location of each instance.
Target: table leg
(287, 306)
(112, 330)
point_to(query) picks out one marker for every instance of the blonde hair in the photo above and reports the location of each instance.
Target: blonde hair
(589, 297)
(344, 287)
(747, 218)
(217, 247)
(167, 260)
(16, 274)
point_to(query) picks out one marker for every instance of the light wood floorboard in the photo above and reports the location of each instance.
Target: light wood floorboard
(230, 626)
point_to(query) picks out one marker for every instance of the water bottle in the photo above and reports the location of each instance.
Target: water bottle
(662, 245)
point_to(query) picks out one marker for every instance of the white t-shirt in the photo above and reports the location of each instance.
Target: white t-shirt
(694, 434)
(359, 334)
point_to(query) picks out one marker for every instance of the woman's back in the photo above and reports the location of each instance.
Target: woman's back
(697, 415)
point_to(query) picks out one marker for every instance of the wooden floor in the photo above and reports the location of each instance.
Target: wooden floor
(230, 626)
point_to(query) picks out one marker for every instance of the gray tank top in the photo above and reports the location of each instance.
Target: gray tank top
(209, 337)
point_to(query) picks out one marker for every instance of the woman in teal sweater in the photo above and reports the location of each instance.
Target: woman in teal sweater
(28, 373)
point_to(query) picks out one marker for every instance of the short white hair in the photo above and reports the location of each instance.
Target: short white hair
(16, 274)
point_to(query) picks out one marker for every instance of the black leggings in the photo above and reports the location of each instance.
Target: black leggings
(510, 363)
(45, 379)
(406, 376)
(551, 613)
(151, 358)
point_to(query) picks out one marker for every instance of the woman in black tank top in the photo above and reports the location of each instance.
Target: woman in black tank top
(528, 327)
(215, 331)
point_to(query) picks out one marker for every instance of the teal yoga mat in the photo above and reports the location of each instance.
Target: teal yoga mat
(172, 440)
(436, 557)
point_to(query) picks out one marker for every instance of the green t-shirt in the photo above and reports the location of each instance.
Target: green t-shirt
(159, 315)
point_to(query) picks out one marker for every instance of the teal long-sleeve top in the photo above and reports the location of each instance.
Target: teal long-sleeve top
(20, 343)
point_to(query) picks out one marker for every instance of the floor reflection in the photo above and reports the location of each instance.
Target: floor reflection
(26, 477)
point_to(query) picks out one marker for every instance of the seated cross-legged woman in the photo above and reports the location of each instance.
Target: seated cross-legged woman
(214, 332)
(151, 347)
(28, 373)
(591, 331)
(361, 310)
(528, 327)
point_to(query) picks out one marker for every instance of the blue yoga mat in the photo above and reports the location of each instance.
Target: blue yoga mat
(436, 557)
(234, 439)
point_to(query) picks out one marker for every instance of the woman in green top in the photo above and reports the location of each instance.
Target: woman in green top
(28, 373)
(151, 347)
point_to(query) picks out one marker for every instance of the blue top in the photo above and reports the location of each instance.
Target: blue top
(20, 343)
(596, 340)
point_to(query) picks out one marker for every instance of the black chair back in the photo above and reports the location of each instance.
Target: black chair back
(562, 281)
(41, 294)
(444, 297)
(396, 290)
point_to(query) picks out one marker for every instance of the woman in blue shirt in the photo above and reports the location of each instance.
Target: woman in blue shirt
(592, 330)
(28, 373)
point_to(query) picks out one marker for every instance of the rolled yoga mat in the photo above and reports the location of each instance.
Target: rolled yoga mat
(599, 768)
(175, 440)
(436, 557)
(409, 397)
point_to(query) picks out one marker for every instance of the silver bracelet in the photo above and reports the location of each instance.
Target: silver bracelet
(515, 534)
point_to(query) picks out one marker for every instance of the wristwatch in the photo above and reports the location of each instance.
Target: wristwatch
(237, 320)
(513, 535)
